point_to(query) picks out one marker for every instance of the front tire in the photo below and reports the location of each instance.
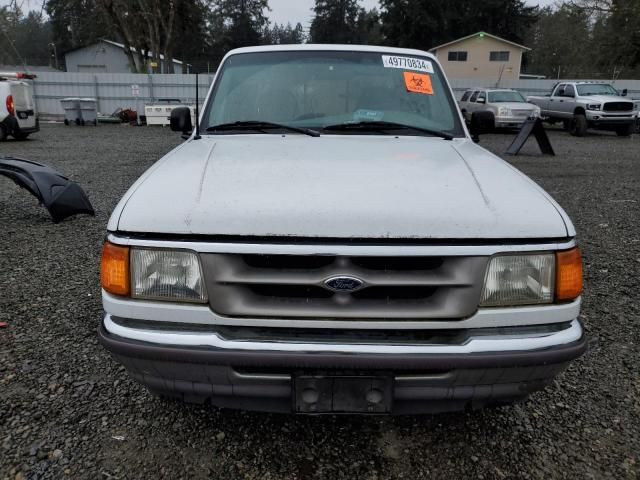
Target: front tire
(474, 121)
(578, 125)
(20, 135)
(625, 131)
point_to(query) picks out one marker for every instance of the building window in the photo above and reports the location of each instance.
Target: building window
(499, 56)
(457, 56)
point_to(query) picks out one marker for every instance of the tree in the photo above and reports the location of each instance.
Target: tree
(427, 23)
(551, 54)
(623, 35)
(146, 27)
(369, 27)
(613, 47)
(335, 21)
(76, 23)
(24, 39)
(237, 23)
(280, 34)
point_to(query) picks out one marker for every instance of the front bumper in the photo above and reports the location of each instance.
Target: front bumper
(509, 121)
(604, 119)
(485, 368)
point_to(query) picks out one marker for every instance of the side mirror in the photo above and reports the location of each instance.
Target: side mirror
(481, 123)
(625, 92)
(180, 120)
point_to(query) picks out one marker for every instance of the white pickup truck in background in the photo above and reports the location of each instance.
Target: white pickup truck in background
(583, 105)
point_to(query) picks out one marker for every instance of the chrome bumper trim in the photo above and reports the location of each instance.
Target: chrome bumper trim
(480, 344)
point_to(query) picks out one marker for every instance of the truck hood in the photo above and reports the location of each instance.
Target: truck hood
(337, 186)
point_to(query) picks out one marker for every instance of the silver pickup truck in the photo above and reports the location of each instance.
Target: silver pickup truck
(333, 241)
(583, 105)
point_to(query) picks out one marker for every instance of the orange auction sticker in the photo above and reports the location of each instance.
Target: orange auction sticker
(418, 83)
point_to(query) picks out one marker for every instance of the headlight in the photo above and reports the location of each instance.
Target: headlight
(519, 280)
(594, 106)
(531, 279)
(172, 275)
(504, 112)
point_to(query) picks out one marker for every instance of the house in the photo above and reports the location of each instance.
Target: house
(106, 56)
(482, 56)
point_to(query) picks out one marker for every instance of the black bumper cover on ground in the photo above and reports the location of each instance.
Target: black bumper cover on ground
(60, 196)
(423, 383)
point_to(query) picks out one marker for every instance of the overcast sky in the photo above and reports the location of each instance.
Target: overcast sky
(294, 11)
(282, 11)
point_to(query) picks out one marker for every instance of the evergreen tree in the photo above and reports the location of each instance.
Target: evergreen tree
(76, 23)
(280, 34)
(335, 21)
(237, 23)
(551, 54)
(427, 23)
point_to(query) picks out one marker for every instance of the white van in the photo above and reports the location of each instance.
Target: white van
(18, 116)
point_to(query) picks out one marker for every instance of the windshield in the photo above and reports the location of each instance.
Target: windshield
(596, 89)
(506, 96)
(316, 89)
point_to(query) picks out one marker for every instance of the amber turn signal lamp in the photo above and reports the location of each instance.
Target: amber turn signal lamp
(114, 269)
(568, 275)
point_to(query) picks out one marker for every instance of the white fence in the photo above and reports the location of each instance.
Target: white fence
(133, 91)
(115, 90)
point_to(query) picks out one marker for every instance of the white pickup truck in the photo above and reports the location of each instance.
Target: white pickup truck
(333, 241)
(583, 105)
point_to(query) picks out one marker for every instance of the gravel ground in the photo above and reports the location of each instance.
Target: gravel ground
(68, 410)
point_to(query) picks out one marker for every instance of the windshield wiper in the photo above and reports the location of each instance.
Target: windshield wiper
(260, 125)
(381, 126)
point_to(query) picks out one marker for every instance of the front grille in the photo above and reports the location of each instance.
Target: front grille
(292, 286)
(618, 107)
(522, 113)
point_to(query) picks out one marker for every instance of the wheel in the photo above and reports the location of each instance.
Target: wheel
(3, 133)
(20, 135)
(66, 122)
(474, 123)
(625, 131)
(78, 121)
(578, 126)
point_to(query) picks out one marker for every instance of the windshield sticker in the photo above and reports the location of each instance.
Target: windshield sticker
(418, 83)
(363, 115)
(407, 63)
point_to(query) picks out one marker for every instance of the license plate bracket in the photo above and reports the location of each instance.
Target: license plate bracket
(342, 394)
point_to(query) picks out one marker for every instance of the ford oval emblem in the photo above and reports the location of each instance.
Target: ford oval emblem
(344, 284)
